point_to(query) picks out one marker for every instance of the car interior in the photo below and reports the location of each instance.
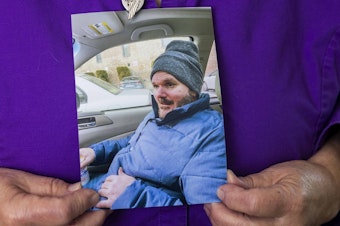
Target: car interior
(94, 33)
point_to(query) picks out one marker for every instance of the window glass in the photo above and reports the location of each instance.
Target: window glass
(211, 79)
(100, 84)
(126, 50)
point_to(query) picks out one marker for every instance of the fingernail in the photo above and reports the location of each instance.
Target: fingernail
(207, 208)
(95, 198)
(233, 179)
(74, 187)
(231, 173)
(120, 171)
(220, 194)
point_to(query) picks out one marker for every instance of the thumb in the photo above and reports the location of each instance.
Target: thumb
(256, 180)
(239, 181)
(120, 171)
(74, 187)
(62, 209)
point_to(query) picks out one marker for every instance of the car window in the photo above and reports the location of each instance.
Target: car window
(101, 83)
(211, 79)
(118, 77)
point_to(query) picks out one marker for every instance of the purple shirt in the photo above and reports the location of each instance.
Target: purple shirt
(279, 66)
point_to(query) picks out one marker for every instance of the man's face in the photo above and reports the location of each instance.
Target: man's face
(170, 93)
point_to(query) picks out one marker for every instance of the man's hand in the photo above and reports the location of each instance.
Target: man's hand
(27, 199)
(87, 156)
(113, 187)
(290, 193)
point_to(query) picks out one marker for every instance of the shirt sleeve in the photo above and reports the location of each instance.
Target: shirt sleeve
(106, 150)
(330, 99)
(206, 171)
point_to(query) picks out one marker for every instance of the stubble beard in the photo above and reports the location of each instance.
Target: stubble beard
(164, 101)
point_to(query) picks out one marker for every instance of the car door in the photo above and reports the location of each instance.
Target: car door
(105, 111)
(98, 126)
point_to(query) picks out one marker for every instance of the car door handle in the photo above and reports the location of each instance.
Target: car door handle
(94, 120)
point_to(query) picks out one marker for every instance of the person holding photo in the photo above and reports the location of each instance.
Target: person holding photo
(279, 64)
(177, 155)
(29, 199)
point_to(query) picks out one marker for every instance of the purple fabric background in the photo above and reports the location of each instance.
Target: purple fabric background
(278, 64)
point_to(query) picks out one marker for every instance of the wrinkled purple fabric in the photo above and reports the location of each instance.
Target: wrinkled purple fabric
(279, 66)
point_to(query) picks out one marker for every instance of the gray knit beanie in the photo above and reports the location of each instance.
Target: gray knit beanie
(181, 60)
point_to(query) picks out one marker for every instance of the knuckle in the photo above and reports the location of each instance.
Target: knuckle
(55, 185)
(253, 206)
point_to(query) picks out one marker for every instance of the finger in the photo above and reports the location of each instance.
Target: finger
(233, 179)
(79, 201)
(110, 178)
(120, 171)
(220, 215)
(46, 210)
(73, 205)
(39, 185)
(104, 204)
(259, 202)
(92, 218)
(103, 192)
(87, 156)
(83, 164)
(265, 178)
(74, 187)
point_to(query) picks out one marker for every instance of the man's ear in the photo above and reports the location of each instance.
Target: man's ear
(193, 94)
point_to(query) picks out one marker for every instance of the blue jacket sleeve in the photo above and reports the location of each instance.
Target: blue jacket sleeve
(139, 194)
(206, 171)
(106, 150)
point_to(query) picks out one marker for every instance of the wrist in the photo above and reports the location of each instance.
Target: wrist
(328, 158)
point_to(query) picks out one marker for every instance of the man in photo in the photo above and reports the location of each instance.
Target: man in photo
(177, 155)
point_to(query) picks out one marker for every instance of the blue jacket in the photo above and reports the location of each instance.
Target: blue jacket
(178, 160)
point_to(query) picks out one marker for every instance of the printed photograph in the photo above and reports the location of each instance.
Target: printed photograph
(151, 128)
